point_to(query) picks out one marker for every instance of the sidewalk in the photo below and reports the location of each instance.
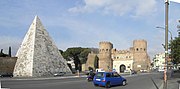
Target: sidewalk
(174, 81)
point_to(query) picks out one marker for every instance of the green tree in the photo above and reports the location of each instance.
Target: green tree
(2, 54)
(78, 54)
(61, 51)
(175, 50)
(84, 54)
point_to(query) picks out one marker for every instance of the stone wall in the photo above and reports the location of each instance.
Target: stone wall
(105, 61)
(90, 62)
(7, 64)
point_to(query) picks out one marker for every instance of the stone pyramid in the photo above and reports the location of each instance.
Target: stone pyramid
(38, 54)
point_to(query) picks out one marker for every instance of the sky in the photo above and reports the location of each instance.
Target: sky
(85, 23)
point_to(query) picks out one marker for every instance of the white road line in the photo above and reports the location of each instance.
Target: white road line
(1, 87)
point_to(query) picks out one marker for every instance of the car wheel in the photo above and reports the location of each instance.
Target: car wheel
(124, 83)
(95, 85)
(108, 85)
(88, 80)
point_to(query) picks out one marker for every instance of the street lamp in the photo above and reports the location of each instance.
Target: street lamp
(165, 29)
(170, 41)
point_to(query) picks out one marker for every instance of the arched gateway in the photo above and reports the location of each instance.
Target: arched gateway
(122, 68)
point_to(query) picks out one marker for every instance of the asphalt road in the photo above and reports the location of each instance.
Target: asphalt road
(141, 81)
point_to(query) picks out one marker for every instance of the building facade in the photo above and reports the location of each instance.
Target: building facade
(109, 58)
(159, 61)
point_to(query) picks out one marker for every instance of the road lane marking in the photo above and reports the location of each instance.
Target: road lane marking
(1, 87)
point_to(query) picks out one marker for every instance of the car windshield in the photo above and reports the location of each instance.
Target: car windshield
(100, 75)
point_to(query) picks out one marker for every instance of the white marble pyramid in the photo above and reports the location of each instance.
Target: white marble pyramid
(38, 54)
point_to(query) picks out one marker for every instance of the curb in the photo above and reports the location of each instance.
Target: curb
(62, 77)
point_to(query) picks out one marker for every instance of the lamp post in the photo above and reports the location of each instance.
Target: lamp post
(165, 29)
(166, 43)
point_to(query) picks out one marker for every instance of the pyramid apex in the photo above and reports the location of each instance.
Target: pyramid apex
(36, 22)
(36, 16)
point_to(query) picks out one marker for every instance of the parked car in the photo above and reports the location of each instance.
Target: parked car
(6, 75)
(107, 79)
(59, 74)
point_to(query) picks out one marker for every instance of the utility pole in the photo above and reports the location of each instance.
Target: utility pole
(166, 43)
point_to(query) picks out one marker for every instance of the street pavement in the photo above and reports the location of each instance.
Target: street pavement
(137, 81)
(173, 81)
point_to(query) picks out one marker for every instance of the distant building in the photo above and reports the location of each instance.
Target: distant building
(159, 61)
(135, 58)
(71, 66)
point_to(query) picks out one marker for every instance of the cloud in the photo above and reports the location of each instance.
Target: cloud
(117, 7)
(80, 32)
(147, 7)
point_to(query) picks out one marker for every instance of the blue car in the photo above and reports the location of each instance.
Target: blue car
(107, 79)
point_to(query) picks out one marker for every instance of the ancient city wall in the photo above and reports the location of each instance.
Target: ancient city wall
(90, 61)
(7, 64)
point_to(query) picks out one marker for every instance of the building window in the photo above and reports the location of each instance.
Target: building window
(106, 50)
(136, 49)
(103, 50)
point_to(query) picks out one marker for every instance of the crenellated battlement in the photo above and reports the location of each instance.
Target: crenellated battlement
(142, 40)
(140, 45)
(105, 47)
(105, 43)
